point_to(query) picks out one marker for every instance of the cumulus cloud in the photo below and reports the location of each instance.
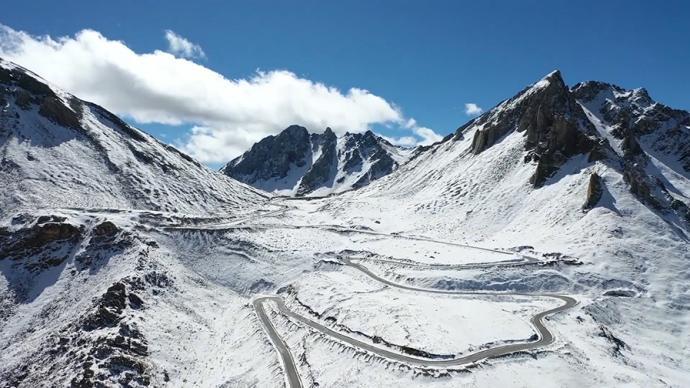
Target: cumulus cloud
(182, 47)
(423, 135)
(229, 114)
(427, 135)
(472, 109)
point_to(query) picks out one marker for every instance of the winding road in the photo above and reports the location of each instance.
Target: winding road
(544, 335)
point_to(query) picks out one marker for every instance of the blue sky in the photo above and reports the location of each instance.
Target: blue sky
(428, 58)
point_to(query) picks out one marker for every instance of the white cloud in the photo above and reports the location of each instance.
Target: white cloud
(229, 114)
(472, 109)
(182, 47)
(427, 135)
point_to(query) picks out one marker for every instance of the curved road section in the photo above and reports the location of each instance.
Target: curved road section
(286, 359)
(545, 336)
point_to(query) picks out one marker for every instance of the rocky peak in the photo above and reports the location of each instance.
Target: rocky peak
(314, 162)
(555, 126)
(636, 119)
(294, 131)
(273, 156)
(28, 91)
(641, 97)
(328, 138)
(553, 79)
(589, 90)
(644, 129)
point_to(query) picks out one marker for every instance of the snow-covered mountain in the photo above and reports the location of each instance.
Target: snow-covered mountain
(548, 134)
(124, 262)
(594, 172)
(296, 162)
(59, 151)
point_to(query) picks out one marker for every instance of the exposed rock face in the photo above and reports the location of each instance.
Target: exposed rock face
(295, 162)
(638, 120)
(99, 343)
(323, 169)
(28, 91)
(555, 126)
(272, 157)
(632, 130)
(370, 146)
(105, 229)
(54, 110)
(39, 246)
(643, 129)
(594, 191)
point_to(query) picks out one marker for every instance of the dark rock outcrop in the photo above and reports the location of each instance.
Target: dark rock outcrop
(272, 157)
(594, 191)
(646, 130)
(323, 170)
(302, 162)
(555, 126)
(56, 111)
(637, 119)
(29, 90)
(39, 245)
(384, 164)
(105, 229)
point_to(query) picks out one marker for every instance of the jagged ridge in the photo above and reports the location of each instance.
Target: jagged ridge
(295, 162)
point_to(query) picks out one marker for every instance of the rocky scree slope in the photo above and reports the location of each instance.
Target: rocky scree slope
(67, 315)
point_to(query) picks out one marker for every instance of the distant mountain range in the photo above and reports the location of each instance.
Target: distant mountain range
(298, 163)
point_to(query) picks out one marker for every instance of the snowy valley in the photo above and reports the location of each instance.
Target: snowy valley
(544, 243)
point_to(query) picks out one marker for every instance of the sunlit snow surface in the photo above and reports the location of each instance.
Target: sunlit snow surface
(198, 248)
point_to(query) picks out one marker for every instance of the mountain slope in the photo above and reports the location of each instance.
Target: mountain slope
(594, 175)
(568, 197)
(89, 291)
(529, 145)
(59, 151)
(295, 162)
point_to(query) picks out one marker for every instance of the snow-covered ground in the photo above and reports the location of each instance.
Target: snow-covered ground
(124, 262)
(436, 324)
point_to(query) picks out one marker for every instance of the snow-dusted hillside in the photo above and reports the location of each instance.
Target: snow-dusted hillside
(296, 162)
(59, 151)
(544, 243)
(539, 160)
(596, 172)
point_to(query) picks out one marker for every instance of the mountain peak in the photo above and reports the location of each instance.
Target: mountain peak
(299, 163)
(555, 126)
(329, 135)
(554, 76)
(295, 130)
(552, 80)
